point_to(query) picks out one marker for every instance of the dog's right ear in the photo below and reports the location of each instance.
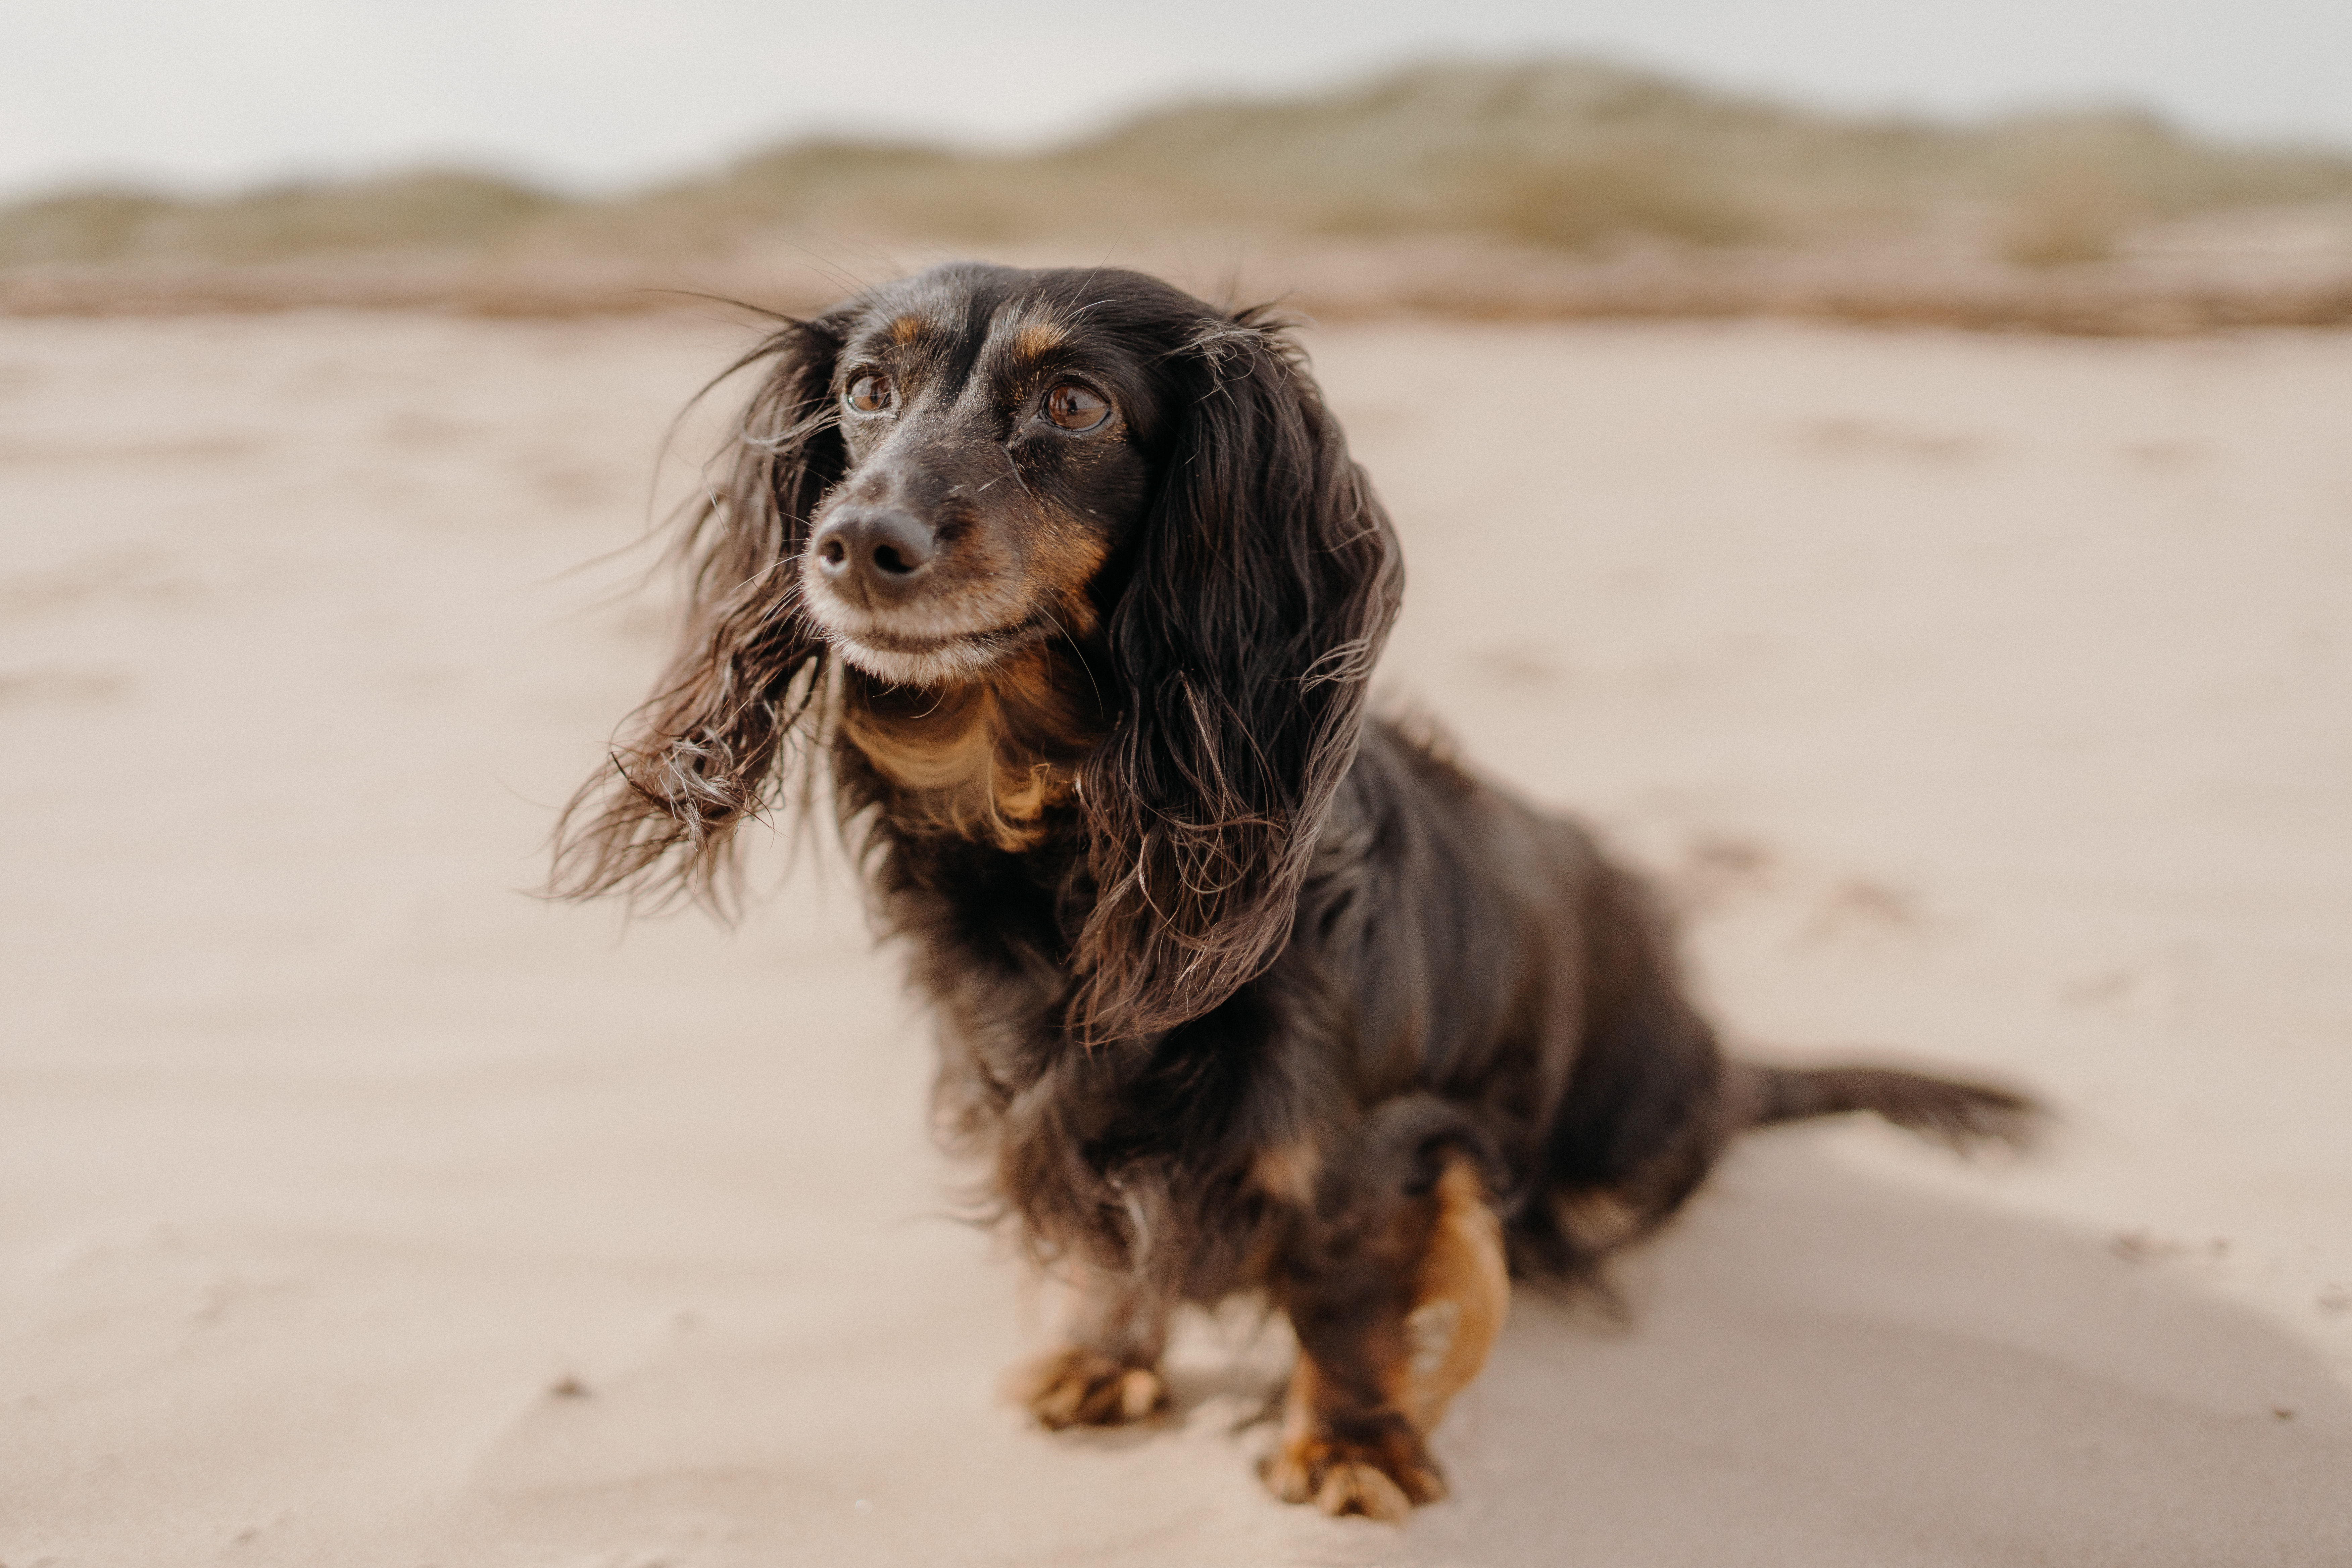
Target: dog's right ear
(704, 751)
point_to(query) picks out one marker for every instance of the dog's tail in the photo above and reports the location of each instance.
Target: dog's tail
(1950, 1110)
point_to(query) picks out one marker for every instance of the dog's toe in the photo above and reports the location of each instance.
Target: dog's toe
(1355, 1487)
(1290, 1475)
(1083, 1388)
(1384, 1481)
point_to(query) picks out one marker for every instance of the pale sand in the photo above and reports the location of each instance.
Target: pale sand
(1986, 698)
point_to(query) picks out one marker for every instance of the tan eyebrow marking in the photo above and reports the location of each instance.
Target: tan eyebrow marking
(1035, 340)
(906, 329)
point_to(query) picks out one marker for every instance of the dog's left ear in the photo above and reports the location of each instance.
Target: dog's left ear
(1265, 582)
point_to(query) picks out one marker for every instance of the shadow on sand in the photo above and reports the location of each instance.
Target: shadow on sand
(1819, 1370)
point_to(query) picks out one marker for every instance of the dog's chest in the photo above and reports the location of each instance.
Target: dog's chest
(986, 764)
(966, 777)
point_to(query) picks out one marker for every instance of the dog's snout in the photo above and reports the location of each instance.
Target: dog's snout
(876, 548)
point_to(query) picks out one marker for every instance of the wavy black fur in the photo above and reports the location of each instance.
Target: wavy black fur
(1224, 971)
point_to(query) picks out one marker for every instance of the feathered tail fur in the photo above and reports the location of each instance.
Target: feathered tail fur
(1950, 1111)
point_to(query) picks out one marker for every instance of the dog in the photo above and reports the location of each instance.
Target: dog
(1061, 587)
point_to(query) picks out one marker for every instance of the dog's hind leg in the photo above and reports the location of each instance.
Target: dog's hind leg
(1394, 1318)
(1106, 1373)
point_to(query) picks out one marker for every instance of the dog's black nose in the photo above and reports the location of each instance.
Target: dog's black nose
(877, 549)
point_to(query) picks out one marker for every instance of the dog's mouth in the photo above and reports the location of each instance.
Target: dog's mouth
(941, 634)
(906, 659)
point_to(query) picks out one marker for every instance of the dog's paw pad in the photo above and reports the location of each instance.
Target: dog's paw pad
(1081, 1388)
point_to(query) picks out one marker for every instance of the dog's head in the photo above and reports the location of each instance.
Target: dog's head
(998, 434)
(949, 470)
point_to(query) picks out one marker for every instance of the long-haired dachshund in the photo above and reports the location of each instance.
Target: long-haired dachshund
(1064, 585)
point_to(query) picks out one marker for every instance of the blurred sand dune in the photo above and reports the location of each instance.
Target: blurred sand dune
(1985, 698)
(1538, 189)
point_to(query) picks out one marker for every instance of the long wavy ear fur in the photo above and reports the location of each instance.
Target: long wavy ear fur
(701, 754)
(1266, 581)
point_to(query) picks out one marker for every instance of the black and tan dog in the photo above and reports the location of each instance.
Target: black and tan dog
(1062, 586)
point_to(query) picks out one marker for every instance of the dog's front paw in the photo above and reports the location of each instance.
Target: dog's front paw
(1383, 1476)
(1079, 1387)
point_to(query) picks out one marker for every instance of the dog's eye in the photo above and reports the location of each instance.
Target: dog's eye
(1075, 408)
(871, 394)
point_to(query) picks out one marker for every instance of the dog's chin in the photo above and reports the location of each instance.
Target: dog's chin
(951, 663)
(931, 661)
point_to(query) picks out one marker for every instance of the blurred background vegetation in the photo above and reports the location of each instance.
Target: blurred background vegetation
(1568, 160)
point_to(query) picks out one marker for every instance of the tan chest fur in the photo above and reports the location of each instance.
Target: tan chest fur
(984, 762)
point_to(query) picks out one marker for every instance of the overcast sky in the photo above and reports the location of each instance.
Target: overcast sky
(597, 94)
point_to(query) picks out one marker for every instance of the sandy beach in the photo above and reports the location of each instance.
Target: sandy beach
(1984, 699)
